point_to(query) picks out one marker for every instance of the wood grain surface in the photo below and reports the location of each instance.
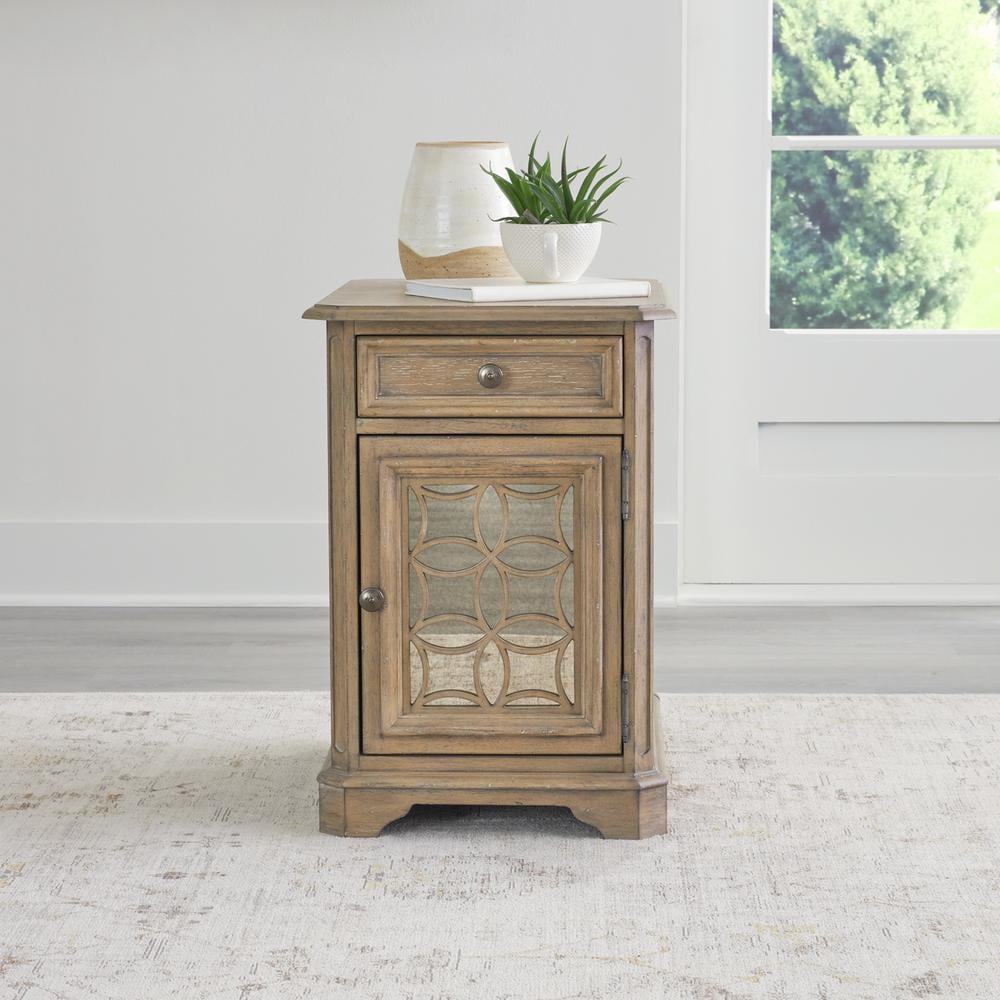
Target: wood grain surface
(386, 299)
(438, 376)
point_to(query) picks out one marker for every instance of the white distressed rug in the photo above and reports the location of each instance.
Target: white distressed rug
(822, 847)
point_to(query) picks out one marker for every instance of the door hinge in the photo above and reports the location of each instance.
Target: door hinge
(626, 721)
(626, 478)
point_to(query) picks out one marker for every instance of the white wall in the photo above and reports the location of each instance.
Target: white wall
(178, 181)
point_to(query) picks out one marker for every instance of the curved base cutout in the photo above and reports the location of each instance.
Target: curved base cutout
(360, 805)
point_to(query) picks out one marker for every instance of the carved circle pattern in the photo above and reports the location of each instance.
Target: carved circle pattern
(499, 656)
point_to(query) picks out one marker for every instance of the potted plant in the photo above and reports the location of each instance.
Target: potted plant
(555, 231)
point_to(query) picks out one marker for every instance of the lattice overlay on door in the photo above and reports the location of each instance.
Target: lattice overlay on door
(491, 594)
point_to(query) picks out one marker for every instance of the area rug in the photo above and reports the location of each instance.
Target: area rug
(821, 847)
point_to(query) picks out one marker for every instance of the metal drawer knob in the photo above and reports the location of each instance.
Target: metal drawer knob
(490, 376)
(371, 599)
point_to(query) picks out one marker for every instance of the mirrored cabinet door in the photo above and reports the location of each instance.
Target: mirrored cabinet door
(494, 623)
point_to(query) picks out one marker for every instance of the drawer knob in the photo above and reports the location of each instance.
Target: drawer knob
(490, 376)
(371, 599)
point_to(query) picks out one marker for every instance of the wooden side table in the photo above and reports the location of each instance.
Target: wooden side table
(490, 505)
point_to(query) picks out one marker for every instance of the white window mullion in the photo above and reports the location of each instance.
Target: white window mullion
(822, 142)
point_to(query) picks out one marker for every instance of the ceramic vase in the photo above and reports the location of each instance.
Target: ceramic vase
(446, 227)
(551, 253)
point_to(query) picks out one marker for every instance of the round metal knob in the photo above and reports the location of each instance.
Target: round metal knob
(490, 376)
(371, 599)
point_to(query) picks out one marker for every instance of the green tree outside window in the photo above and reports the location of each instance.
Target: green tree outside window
(881, 238)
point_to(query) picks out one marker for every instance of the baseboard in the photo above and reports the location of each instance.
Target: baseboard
(284, 564)
(196, 564)
(184, 564)
(164, 600)
(845, 594)
(666, 568)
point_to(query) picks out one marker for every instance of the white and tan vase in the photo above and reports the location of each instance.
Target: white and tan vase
(446, 227)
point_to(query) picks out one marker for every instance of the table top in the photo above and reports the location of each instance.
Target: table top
(386, 299)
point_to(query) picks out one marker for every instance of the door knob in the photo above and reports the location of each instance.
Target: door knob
(490, 376)
(371, 599)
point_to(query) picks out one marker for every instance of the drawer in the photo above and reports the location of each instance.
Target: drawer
(489, 376)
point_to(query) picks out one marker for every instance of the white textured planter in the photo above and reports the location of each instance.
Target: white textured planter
(446, 227)
(551, 253)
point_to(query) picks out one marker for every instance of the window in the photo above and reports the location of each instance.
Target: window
(885, 173)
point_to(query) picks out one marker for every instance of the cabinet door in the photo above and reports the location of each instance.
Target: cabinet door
(500, 562)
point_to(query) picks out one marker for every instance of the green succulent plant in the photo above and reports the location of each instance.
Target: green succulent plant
(540, 198)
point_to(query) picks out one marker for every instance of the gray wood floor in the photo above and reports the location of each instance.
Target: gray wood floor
(697, 649)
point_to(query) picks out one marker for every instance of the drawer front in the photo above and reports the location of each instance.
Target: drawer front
(489, 376)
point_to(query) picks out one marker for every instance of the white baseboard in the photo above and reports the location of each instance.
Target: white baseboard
(195, 564)
(213, 600)
(284, 564)
(845, 594)
(266, 564)
(666, 568)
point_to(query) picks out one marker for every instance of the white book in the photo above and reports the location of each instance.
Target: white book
(515, 290)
